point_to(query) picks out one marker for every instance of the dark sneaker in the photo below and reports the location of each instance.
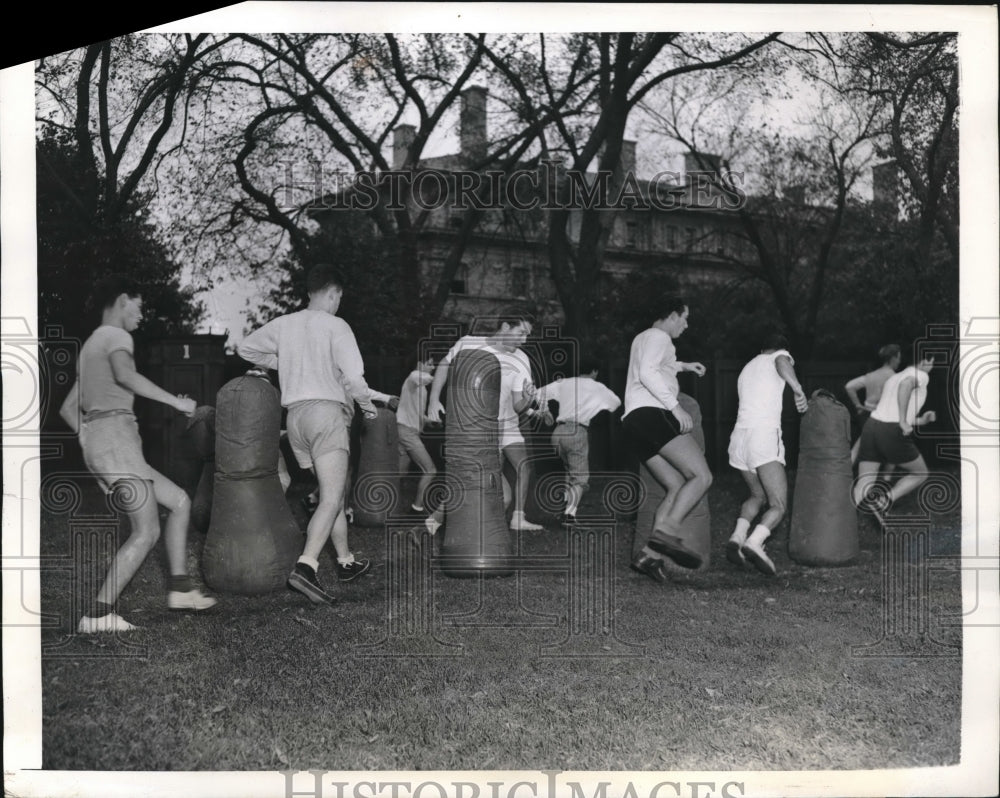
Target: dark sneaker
(734, 553)
(673, 547)
(303, 578)
(345, 573)
(650, 566)
(568, 519)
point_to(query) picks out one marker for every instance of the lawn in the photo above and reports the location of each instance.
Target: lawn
(718, 670)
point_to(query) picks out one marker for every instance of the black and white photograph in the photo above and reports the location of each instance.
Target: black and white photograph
(515, 400)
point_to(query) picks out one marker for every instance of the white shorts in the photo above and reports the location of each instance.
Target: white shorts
(751, 448)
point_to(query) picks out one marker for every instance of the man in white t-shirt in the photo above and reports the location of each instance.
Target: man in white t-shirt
(756, 449)
(580, 399)
(517, 394)
(410, 416)
(886, 437)
(321, 373)
(99, 409)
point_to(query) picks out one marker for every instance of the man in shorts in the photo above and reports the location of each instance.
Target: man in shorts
(756, 449)
(887, 438)
(517, 393)
(321, 374)
(410, 416)
(872, 384)
(580, 398)
(99, 409)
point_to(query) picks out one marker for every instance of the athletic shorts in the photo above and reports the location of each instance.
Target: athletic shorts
(650, 429)
(317, 427)
(112, 449)
(884, 442)
(572, 444)
(412, 448)
(753, 447)
(510, 433)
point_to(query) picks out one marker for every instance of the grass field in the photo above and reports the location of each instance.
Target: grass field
(714, 671)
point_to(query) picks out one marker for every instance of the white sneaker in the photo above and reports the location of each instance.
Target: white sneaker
(191, 600)
(522, 524)
(112, 622)
(432, 524)
(753, 550)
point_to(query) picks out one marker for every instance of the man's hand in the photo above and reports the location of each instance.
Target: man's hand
(435, 412)
(697, 368)
(927, 417)
(906, 428)
(801, 403)
(185, 404)
(370, 412)
(683, 418)
(546, 418)
(393, 402)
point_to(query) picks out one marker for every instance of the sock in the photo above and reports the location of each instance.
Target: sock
(432, 524)
(740, 533)
(760, 534)
(346, 560)
(650, 553)
(180, 583)
(101, 609)
(312, 562)
(517, 515)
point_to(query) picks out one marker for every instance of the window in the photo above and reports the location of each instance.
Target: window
(671, 238)
(692, 234)
(459, 280)
(631, 234)
(520, 282)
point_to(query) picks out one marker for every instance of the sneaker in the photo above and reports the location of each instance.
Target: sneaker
(191, 600)
(673, 547)
(309, 504)
(432, 525)
(345, 573)
(754, 551)
(650, 566)
(303, 578)
(112, 622)
(734, 552)
(568, 519)
(522, 524)
(349, 514)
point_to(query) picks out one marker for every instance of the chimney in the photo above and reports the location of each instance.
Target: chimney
(473, 125)
(701, 162)
(627, 158)
(885, 186)
(402, 138)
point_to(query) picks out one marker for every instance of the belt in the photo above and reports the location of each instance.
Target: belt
(93, 415)
(575, 423)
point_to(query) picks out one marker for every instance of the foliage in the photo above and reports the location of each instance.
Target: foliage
(385, 320)
(78, 244)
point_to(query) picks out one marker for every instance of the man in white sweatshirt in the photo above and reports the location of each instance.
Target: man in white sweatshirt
(321, 375)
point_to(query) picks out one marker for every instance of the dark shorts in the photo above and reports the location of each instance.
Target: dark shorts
(649, 429)
(884, 442)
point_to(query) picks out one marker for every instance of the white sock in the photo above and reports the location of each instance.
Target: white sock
(740, 533)
(650, 553)
(310, 561)
(346, 560)
(759, 535)
(517, 515)
(432, 524)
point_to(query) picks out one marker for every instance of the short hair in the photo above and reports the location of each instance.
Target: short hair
(110, 288)
(513, 316)
(774, 340)
(888, 352)
(671, 303)
(322, 276)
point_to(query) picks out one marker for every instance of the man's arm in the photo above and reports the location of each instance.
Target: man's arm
(852, 387)
(783, 364)
(70, 409)
(123, 368)
(434, 407)
(609, 399)
(260, 347)
(347, 356)
(906, 387)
